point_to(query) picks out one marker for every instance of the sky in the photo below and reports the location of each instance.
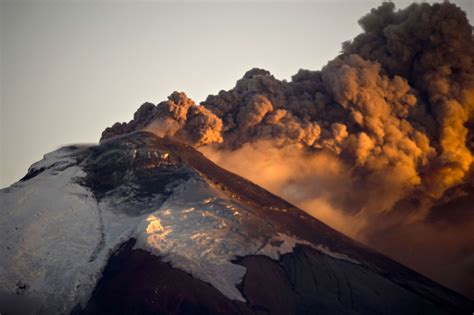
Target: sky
(69, 69)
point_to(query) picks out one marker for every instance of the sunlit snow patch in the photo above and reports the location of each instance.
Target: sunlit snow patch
(198, 229)
(201, 231)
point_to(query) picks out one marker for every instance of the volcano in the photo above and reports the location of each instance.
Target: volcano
(145, 225)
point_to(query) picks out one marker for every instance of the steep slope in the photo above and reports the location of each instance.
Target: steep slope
(186, 237)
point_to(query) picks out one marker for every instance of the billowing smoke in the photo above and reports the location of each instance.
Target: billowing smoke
(371, 144)
(431, 46)
(179, 117)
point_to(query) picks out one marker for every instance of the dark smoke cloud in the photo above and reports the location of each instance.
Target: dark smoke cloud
(178, 117)
(371, 144)
(432, 46)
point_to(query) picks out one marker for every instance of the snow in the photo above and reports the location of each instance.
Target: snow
(281, 244)
(57, 238)
(202, 231)
(326, 250)
(45, 245)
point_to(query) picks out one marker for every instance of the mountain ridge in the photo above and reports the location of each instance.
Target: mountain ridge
(199, 218)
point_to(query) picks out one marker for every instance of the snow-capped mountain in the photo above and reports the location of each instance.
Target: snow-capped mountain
(140, 224)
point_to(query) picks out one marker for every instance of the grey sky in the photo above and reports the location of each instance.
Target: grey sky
(69, 69)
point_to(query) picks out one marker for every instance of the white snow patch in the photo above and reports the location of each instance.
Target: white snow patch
(201, 231)
(281, 244)
(340, 256)
(46, 245)
(56, 238)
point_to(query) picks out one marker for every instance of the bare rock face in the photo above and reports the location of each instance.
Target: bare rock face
(137, 282)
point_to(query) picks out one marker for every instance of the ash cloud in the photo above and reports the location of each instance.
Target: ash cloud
(178, 117)
(370, 144)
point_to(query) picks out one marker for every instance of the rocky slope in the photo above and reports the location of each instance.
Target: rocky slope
(141, 224)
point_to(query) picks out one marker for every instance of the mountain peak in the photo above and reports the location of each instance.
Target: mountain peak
(99, 217)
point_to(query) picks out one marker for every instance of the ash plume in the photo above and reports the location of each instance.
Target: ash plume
(178, 117)
(370, 144)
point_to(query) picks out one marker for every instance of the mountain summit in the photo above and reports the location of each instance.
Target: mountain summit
(142, 224)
